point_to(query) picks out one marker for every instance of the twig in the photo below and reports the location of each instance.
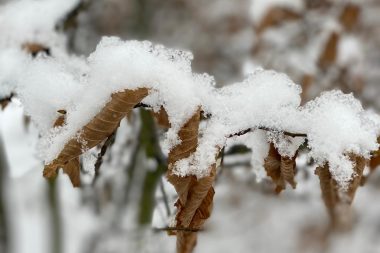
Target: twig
(110, 140)
(266, 129)
(70, 20)
(55, 216)
(222, 152)
(177, 229)
(142, 105)
(237, 150)
(165, 197)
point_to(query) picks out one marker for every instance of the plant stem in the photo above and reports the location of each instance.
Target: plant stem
(149, 142)
(56, 229)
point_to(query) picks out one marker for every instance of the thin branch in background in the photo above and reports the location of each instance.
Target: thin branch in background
(165, 197)
(71, 19)
(56, 226)
(150, 144)
(110, 140)
(237, 150)
(222, 153)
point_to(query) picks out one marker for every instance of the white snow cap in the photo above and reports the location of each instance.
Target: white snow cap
(335, 123)
(116, 66)
(336, 126)
(34, 21)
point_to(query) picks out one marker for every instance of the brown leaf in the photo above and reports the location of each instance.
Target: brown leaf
(276, 16)
(162, 118)
(329, 53)
(350, 16)
(195, 196)
(288, 170)
(280, 169)
(61, 118)
(72, 169)
(338, 201)
(35, 48)
(272, 165)
(306, 83)
(98, 129)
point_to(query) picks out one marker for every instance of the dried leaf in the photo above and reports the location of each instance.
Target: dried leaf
(338, 201)
(288, 170)
(276, 16)
(306, 83)
(350, 16)
(272, 165)
(72, 169)
(195, 196)
(280, 169)
(329, 54)
(35, 48)
(61, 118)
(162, 118)
(98, 129)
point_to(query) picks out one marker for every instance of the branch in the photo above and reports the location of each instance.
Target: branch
(142, 105)
(165, 197)
(110, 140)
(177, 229)
(266, 129)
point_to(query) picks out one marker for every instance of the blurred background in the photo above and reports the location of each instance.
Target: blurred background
(321, 45)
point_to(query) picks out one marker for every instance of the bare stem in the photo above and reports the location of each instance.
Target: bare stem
(266, 129)
(110, 140)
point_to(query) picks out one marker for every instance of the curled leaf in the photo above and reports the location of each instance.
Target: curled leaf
(338, 201)
(280, 169)
(195, 195)
(98, 129)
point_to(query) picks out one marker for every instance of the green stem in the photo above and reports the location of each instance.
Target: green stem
(56, 229)
(150, 143)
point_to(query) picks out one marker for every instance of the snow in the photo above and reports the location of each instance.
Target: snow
(11, 66)
(350, 51)
(34, 21)
(113, 67)
(240, 106)
(335, 124)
